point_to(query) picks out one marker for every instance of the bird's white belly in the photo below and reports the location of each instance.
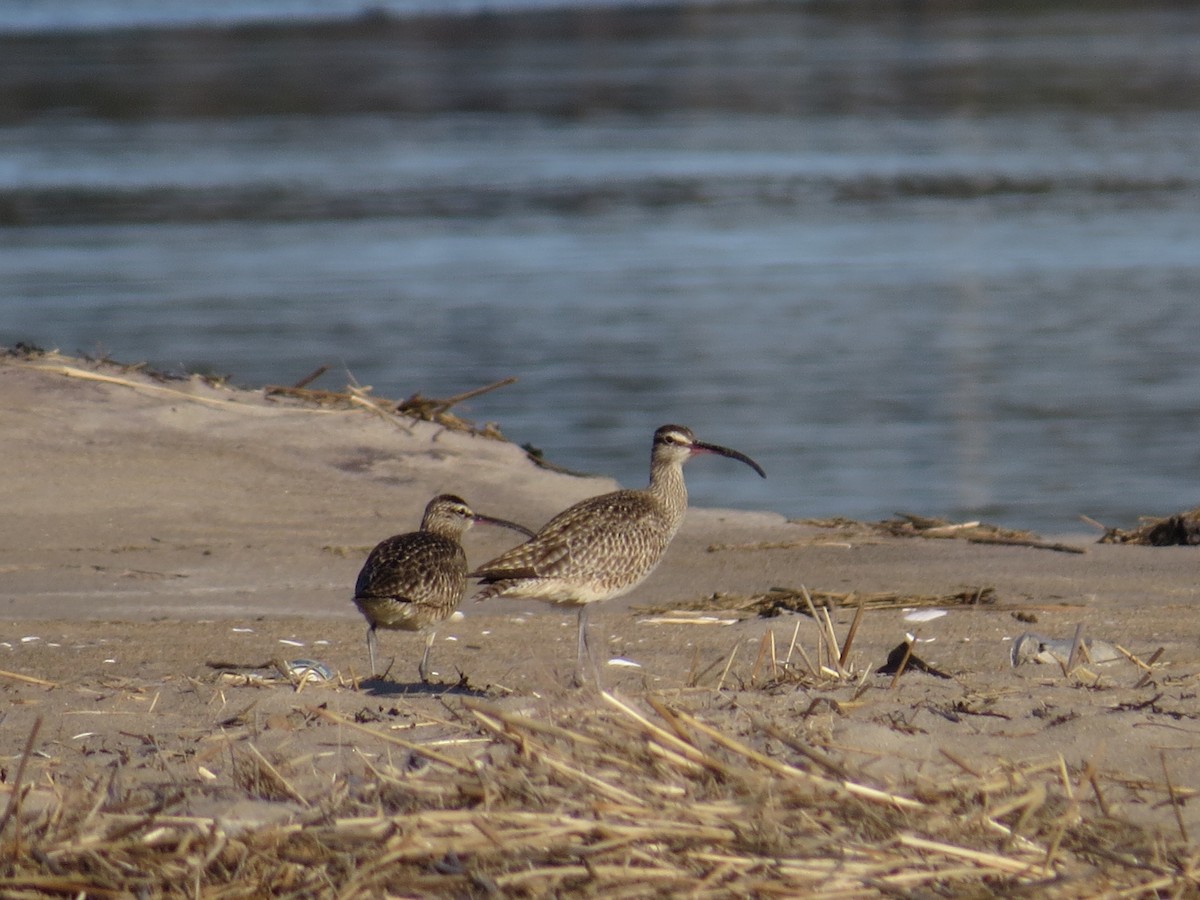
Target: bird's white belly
(567, 593)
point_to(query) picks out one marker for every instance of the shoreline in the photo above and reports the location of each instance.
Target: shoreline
(142, 498)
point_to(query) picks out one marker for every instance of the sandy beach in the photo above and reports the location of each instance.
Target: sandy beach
(164, 541)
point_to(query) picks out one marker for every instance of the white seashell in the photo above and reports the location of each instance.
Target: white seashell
(924, 615)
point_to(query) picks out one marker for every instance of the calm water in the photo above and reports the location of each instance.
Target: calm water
(945, 263)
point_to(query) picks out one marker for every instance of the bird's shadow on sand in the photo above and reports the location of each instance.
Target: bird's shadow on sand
(385, 687)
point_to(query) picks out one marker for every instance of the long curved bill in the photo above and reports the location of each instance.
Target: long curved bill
(503, 523)
(705, 447)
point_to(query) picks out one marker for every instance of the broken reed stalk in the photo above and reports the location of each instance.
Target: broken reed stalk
(1066, 818)
(310, 377)
(827, 642)
(695, 676)
(536, 725)
(431, 755)
(448, 402)
(792, 645)
(799, 775)
(1032, 800)
(809, 753)
(813, 670)
(28, 679)
(1176, 806)
(1144, 666)
(728, 664)
(358, 397)
(835, 652)
(545, 755)
(312, 395)
(812, 611)
(766, 648)
(1076, 648)
(908, 649)
(676, 742)
(960, 762)
(84, 375)
(1149, 664)
(275, 776)
(986, 860)
(14, 799)
(858, 614)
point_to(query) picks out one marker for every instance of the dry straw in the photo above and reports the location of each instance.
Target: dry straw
(597, 796)
(142, 380)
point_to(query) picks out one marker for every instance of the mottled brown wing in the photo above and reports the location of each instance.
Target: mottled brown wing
(413, 567)
(586, 540)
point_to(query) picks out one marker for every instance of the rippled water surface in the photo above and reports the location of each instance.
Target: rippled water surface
(942, 262)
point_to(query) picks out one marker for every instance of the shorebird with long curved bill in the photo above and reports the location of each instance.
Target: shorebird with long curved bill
(415, 581)
(604, 546)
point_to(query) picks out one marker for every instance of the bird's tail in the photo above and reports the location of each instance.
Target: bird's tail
(492, 589)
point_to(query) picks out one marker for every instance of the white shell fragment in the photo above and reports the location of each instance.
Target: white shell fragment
(924, 615)
(622, 661)
(687, 620)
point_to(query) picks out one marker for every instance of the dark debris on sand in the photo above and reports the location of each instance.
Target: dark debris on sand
(1179, 530)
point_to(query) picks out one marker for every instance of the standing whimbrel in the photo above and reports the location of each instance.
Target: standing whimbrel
(604, 546)
(414, 581)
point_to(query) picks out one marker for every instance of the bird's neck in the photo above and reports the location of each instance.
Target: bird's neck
(668, 488)
(448, 530)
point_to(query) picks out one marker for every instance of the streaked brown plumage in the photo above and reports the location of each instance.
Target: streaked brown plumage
(414, 581)
(604, 546)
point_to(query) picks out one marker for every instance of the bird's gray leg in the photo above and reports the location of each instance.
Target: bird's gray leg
(584, 651)
(423, 668)
(371, 647)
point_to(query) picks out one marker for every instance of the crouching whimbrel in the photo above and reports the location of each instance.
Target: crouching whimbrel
(604, 546)
(413, 582)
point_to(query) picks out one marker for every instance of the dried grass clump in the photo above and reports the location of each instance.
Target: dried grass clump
(140, 377)
(425, 409)
(909, 525)
(779, 600)
(1181, 529)
(615, 798)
